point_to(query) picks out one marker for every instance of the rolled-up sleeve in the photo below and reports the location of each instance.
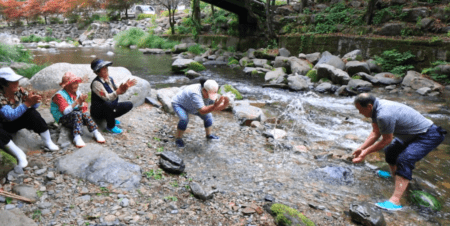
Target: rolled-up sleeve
(98, 87)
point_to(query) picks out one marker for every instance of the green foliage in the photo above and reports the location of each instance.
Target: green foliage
(434, 72)
(436, 39)
(233, 26)
(160, 149)
(55, 20)
(145, 16)
(36, 215)
(196, 66)
(171, 198)
(231, 49)
(359, 58)
(129, 37)
(333, 15)
(39, 193)
(312, 74)
(29, 72)
(14, 53)
(233, 61)
(166, 13)
(48, 31)
(281, 211)
(228, 88)
(424, 199)
(157, 175)
(395, 62)
(7, 158)
(8, 200)
(174, 184)
(393, 11)
(49, 39)
(153, 41)
(196, 49)
(356, 77)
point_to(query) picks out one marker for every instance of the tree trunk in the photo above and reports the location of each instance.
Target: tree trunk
(256, 17)
(172, 20)
(287, 2)
(304, 5)
(196, 11)
(269, 23)
(370, 11)
(212, 10)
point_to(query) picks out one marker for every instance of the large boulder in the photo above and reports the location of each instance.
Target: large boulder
(416, 81)
(324, 87)
(336, 75)
(259, 62)
(180, 64)
(358, 85)
(298, 83)
(352, 55)
(330, 59)
(281, 61)
(312, 57)
(100, 166)
(353, 67)
(274, 75)
(392, 29)
(386, 78)
(15, 217)
(165, 97)
(50, 77)
(413, 15)
(299, 66)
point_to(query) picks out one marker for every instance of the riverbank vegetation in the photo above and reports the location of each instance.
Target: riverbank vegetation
(142, 39)
(17, 53)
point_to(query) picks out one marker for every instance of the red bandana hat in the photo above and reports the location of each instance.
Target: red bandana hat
(69, 78)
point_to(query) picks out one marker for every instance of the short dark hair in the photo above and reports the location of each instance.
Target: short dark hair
(365, 99)
(3, 83)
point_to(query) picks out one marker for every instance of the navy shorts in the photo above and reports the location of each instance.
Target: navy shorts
(405, 156)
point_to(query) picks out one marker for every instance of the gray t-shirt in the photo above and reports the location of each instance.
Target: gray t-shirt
(191, 99)
(401, 120)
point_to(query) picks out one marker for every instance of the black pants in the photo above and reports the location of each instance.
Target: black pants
(103, 111)
(30, 120)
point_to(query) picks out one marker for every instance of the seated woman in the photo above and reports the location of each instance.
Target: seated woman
(69, 108)
(18, 111)
(105, 96)
(198, 99)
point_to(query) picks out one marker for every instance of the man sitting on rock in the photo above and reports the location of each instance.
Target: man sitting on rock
(407, 137)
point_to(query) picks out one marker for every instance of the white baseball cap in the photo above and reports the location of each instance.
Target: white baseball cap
(211, 87)
(9, 75)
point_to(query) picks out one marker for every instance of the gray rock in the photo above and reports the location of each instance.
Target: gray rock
(352, 55)
(336, 75)
(312, 57)
(387, 78)
(373, 66)
(183, 47)
(152, 51)
(328, 58)
(10, 206)
(415, 80)
(171, 163)
(412, 15)
(284, 52)
(247, 113)
(323, 87)
(298, 83)
(423, 91)
(125, 202)
(51, 175)
(180, 64)
(153, 102)
(100, 166)
(25, 191)
(191, 74)
(244, 61)
(45, 205)
(426, 23)
(15, 217)
(27, 140)
(391, 29)
(259, 62)
(50, 77)
(366, 214)
(40, 171)
(299, 66)
(199, 59)
(353, 67)
(250, 53)
(281, 61)
(165, 97)
(274, 75)
(199, 193)
(359, 86)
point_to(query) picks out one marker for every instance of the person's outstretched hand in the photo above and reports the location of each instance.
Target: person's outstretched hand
(131, 82)
(32, 99)
(122, 88)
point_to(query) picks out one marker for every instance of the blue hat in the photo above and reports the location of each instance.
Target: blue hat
(99, 64)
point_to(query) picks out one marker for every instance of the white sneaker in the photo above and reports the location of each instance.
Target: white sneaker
(51, 146)
(79, 143)
(98, 137)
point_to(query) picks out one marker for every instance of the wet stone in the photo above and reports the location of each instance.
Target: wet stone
(366, 214)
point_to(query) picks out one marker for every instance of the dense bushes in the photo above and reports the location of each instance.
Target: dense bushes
(129, 37)
(153, 41)
(395, 62)
(15, 53)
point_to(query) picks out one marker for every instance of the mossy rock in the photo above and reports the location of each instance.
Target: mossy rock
(196, 66)
(7, 163)
(228, 88)
(234, 61)
(269, 54)
(425, 199)
(312, 74)
(287, 216)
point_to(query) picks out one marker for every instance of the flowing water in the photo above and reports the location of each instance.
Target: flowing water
(319, 123)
